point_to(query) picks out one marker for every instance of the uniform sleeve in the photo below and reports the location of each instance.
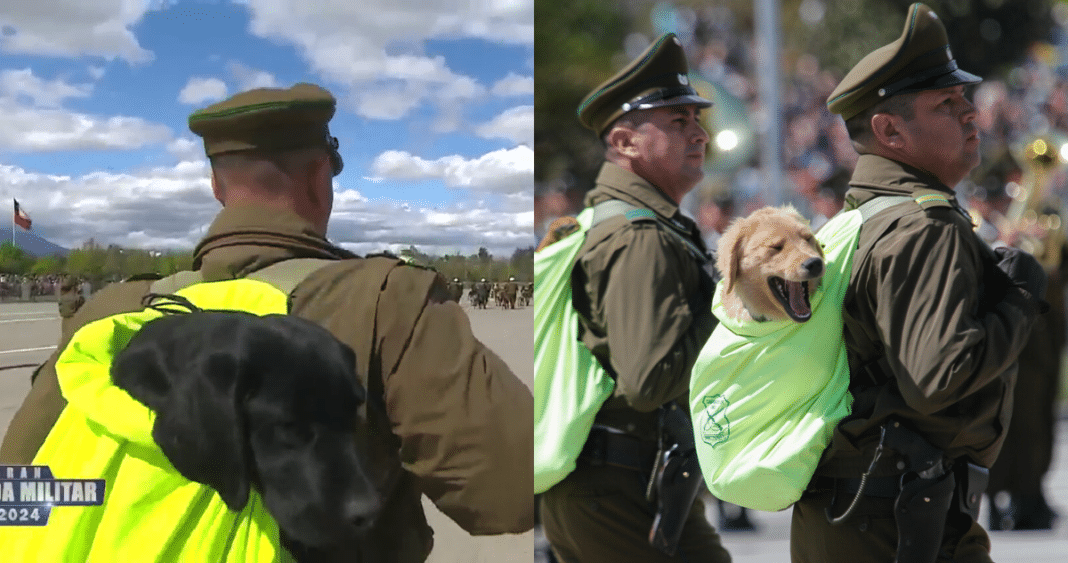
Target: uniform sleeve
(465, 421)
(655, 314)
(940, 343)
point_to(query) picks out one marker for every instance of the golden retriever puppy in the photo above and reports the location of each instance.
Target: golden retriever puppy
(771, 263)
(558, 230)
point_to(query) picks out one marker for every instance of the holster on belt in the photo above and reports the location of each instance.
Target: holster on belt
(926, 495)
(675, 480)
(972, 480)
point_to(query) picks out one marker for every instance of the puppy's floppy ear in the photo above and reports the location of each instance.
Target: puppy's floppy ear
(201, 427)
(140, 371)
(729, 253)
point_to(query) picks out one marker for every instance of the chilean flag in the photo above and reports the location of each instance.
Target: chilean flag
(22, 218)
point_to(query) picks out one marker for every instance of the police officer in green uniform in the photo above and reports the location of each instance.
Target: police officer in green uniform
(451, 415)
(644, 297)
(934, 322)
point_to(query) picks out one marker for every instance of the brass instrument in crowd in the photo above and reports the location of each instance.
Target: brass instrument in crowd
(1036, 211)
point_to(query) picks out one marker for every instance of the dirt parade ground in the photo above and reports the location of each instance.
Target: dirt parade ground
(29, 331)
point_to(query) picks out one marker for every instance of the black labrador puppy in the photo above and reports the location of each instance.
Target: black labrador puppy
(270, 402)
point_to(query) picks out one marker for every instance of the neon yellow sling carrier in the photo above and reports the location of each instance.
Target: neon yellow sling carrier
(150, 513)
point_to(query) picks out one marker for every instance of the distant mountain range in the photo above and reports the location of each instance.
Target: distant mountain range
(32, 244)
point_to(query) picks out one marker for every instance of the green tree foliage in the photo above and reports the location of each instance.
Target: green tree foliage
(480, 265)
(576, 47)
(523, 263)
(116, 263)
(13, 260)
(48, 265)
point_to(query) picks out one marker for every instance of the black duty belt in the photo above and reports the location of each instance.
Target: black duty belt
(607, 447)
(881, 487)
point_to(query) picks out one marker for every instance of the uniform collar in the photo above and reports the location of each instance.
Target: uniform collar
(880, 176)
(243, 239)
(615, 182)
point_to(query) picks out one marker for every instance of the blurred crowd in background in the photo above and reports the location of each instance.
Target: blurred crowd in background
(1015, 106)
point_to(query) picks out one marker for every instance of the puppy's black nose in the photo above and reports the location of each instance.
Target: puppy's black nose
(814, 266)
(361, 512)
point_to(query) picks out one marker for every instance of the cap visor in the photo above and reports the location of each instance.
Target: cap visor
(955, 78)
(687, 100)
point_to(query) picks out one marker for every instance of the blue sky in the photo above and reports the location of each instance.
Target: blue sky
(435, 114)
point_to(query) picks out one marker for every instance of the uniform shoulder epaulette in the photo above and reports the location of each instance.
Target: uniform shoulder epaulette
(930, 199)
(640, 214)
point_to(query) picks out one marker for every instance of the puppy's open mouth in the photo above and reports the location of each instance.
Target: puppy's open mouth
(793, 296)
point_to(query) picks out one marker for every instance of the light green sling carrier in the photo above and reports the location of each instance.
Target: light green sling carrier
(151, 513)
(569, 383)
(765, 397)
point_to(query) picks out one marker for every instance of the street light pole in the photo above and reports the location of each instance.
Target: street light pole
(768, 30)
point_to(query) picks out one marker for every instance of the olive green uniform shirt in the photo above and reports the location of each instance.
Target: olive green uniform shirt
(644, 301)
(922, 297)
(448, 410)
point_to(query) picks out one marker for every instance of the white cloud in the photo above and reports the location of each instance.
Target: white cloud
(514, 85)
(515, 124)
(372, 226)
(34, 121)
(199, 90)
(161, 208)
(22, 84)
(72, 28)
(170, 207)
(186, 149)
(356, 44)
(248, 78)
(28, 129)
(506, 171)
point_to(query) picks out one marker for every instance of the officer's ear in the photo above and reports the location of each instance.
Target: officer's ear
(621, 139)
(885, 131)
(317, 175)
(218, 188)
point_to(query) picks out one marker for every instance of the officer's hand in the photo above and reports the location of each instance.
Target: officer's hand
(1023, 269)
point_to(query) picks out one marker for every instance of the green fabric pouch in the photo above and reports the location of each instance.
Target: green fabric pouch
(765, 397)
(569, 383)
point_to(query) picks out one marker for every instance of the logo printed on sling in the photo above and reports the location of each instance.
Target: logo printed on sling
(29, 492)
(716, 428)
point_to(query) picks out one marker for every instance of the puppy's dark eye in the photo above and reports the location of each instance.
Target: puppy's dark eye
(777, 247)
(292, 434)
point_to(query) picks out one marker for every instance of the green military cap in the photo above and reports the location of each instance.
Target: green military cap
(918, 60)
(657, 78)
(269, 119)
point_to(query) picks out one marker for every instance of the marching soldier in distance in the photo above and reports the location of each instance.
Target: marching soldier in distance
(511, 292)
(70, 300)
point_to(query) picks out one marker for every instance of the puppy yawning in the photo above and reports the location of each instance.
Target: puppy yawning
(771, 264)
